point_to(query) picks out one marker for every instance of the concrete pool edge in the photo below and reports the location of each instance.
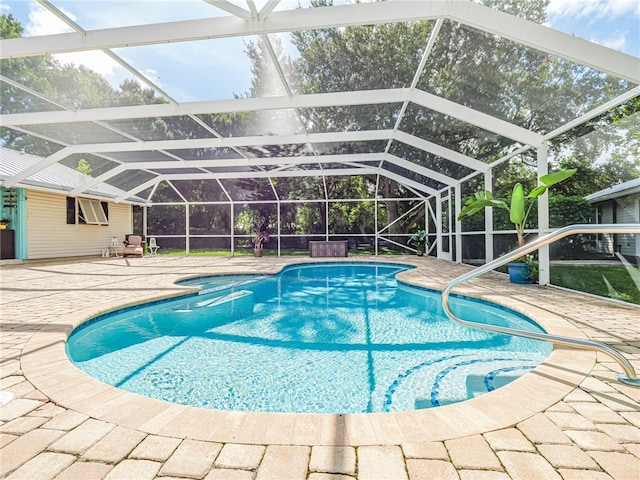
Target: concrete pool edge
(46, 366)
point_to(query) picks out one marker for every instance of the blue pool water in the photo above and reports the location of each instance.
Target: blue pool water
(317, 338)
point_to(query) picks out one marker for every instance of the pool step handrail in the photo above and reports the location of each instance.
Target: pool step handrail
(631, 377)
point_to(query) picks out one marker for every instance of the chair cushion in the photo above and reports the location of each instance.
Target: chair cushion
(135, 240)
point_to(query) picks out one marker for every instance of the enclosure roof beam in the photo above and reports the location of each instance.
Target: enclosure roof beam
(634, 92)
(229, 162)
(153, 182)
(419, 169)
(369, 97)
(353, 136)
(441, 151)
(474, 117)
(469, 13)
(361, 97)
(35, 168)
(408, 182)
(349, 159)
(252, 174)
(257, 140)
(254, 162)
(92, 182)
(231, 8)
(365, 170)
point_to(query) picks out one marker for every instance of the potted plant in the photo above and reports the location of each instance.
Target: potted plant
(4, 223)
(420, 241)
(519, 272)
(259, 240)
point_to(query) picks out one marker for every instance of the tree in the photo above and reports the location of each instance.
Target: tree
(359, 58)
(494, 75)
(84, 167)
(75, 87)
(605, 150)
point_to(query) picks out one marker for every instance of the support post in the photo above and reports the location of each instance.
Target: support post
(326, 218)
(544, 277)
(375, 226)
(278, 223)
(186, 229)
(439, 225)
(457, 195)
(231, 228)
(145, 224)
(488, 219)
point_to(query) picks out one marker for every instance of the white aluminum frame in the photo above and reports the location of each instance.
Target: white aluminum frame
(251, 21)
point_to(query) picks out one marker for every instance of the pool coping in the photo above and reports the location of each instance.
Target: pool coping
(46, 366)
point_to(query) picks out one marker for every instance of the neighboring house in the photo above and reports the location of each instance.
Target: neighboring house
(618, 204)
(47, 221)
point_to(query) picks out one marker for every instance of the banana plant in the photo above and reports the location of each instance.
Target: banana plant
(518, 209)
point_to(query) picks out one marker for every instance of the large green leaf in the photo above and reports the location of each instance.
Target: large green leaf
(549, 180)
(556, 177)
(479, 201)
(516, 214)
(535, 193)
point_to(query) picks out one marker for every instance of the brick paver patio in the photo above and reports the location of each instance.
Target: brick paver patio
(568, 419)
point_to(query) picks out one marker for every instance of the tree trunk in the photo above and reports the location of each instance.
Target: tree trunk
(388, 187)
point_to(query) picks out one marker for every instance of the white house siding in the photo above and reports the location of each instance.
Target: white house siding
(637, 237)
(605, 241)
(627, 212)
(49, 236)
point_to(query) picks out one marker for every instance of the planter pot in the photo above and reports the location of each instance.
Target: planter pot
(419, 253)
(519, 272)
(257, 252)
(3, 226)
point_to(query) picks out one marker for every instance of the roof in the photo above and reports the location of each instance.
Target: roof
(621, 190)
(54, 177)
(403, 124)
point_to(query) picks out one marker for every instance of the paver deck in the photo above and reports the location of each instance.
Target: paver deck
(567, 419)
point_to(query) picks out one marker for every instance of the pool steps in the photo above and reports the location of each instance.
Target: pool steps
(227, 286)
(242, 299)
(439, 382)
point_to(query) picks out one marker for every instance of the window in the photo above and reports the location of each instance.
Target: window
(71, 211)
(92, 212)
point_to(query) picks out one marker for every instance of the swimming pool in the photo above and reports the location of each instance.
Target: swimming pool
(319, 338)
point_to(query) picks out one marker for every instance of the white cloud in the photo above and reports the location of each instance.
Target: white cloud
(611, 23)
(152, 75)
(616, 42)
(95, 60)
(43, 22)
(593, 8)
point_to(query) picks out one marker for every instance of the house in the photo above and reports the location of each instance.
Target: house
(618, 204)
(47, 220)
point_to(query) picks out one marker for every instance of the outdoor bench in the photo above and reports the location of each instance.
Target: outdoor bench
(334, 248)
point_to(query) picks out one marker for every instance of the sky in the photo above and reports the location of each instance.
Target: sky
(612, 23)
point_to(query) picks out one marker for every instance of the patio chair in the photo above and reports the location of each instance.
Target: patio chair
(133, 246)
(153, 246)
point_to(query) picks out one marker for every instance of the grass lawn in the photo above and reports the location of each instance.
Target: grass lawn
(603, 280)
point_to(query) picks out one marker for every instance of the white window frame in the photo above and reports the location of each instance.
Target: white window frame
(92, 212)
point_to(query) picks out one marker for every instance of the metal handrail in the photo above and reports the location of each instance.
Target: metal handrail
(631, 375)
